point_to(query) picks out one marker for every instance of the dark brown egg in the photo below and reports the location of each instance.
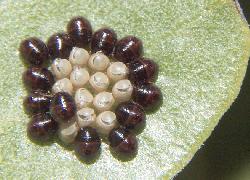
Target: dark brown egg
(62, 107)
(104, 40)
(87, 142)
(80, 31)
(130, 115)
(123, 141)
(128, 49)
(143, 70)
(37, 102)
(42, 127)
(34, 51)
(148, 95)
(60, 46)
(38, 79)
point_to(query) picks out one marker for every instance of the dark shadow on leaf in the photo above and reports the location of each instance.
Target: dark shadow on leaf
(90, 159)
(122, 157)
(67, 147)
(140, 128)
(40, 143)
(155, 108)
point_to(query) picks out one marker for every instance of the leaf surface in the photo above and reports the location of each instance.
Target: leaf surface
(202, 48)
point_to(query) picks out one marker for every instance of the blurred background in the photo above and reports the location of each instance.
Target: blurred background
(226, 153)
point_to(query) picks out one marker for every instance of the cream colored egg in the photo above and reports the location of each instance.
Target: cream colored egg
(122, 90)
(105, 122)
(99, 81)
(83, 98)
(63, 85)
(61, 68)
(117, 71)
(67, 132)
(98, 61)
(79, 77)
(103, 101)
(86, 117)
(79, 56)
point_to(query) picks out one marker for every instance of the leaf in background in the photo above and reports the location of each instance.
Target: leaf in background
(202, 48)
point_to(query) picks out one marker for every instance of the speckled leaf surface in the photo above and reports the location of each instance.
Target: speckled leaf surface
(202, 48)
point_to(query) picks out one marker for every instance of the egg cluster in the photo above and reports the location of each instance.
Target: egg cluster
(97, 86)
(88, 94)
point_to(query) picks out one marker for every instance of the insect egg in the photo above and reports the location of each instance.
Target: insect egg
(42, 127)
(38, 79)
(123, 141)
(86, 117)
(68, 131)
(63, 85)
(61, 68)
(117, 71)
(122, 90)
(37, 102)
(60, 46)
(98, 61)
(79, 56)
(83, 98)
(87, 142)
(79, 77)
(105, 122)
(104, 40)
(143, 70)
(103, 101)
(148, 95)
(34, 51)
(62, 107)
(99, 81)
(130, 115)
(128, 49)
(80, 31)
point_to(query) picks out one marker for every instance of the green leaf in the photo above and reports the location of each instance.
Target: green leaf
(202, 48)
